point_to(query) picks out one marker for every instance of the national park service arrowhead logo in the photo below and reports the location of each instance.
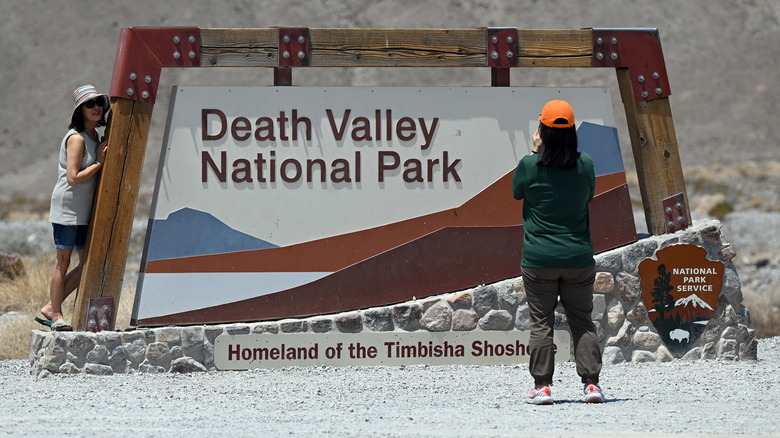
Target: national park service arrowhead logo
(681, 290)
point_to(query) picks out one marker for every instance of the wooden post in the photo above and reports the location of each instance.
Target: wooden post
(656, 155)
(112, 218)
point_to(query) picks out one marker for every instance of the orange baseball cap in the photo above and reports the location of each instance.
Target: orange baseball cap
(554, 110)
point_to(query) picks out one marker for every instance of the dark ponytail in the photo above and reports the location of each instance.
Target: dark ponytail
(560, 147)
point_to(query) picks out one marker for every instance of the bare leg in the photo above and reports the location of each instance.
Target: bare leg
(62, 284)
(72, 280)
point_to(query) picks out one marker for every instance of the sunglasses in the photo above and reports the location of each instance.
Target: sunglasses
(100, 101)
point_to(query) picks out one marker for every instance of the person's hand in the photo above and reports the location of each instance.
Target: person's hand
(101, 151)
(537, 139)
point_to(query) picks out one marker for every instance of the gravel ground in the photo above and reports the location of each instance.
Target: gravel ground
(706, 398)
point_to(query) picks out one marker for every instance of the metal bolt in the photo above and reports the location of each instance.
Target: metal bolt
(133, 76)
(106, 309)
(656, 75)
(494, 55)
(669, 210)
(92, 324)
(600, 40)
(645, 93)
(176, 39)
(145, 94)
(614, 40)
(600, 55)
(494, 39)
(93, 310)
(192, 39)
(148, 79)
(104, 323)
(678, 206)
(641, 78)
(191, 54)
(176, 55)
(509, 54)
(658, 90)
(301, 54)
(285, 54)
(510, 40)
(301, 39)
(614, 55)
(286, 38)
(130, 91)
(670, 224)
(681, 219)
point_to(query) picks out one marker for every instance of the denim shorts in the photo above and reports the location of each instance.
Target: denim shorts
(70, 237)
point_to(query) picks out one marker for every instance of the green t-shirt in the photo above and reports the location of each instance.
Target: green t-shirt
(555, 213)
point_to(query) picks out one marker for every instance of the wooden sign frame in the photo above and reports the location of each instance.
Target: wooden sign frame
(142, 52)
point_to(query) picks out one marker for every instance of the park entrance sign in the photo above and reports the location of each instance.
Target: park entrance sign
(635, 55)
(275, 202)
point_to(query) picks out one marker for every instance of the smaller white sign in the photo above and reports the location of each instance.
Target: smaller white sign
(242, 352)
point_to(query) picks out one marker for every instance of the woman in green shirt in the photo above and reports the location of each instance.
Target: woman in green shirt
(556, 183)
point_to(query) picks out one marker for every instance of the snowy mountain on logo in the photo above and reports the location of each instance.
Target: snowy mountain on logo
(189, 232)
(691, 308)
(694, 301)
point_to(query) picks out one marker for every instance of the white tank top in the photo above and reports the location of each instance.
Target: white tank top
(72, 205)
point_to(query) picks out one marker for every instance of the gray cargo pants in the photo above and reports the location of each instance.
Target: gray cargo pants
(574, 286)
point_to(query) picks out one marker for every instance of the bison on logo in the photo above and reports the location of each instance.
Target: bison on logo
(681, 290)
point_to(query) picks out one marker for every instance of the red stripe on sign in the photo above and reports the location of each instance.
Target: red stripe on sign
(494, 206)
(444, 261)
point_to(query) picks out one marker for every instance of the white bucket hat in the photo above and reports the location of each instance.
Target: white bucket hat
(85, 93)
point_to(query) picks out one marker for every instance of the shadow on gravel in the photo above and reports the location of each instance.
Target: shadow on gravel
(582, 402)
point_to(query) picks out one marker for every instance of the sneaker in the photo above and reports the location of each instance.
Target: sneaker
(593, 394)
(539, 396)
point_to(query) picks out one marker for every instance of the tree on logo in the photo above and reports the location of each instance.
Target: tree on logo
(662, 288)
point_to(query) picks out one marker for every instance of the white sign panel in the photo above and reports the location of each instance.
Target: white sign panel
(266, 190)
(326, 163)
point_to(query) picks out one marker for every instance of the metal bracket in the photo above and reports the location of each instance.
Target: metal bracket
(294, 46)
(675, 215)
(501, 46)
(640, 51)
(99, 316)
(141, 54)
(501, 53)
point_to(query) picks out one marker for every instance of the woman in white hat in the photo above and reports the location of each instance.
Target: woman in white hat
(80, 159)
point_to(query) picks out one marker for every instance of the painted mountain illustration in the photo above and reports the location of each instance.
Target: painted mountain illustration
(694, 301)
(691, 308)
(189, 232)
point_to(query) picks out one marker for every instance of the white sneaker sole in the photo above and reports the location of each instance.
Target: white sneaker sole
(539, 401)
(594, 398)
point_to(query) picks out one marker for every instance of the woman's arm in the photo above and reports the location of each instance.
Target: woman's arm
(75, 152)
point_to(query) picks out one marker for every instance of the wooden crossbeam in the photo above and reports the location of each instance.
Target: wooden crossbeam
(395, 48)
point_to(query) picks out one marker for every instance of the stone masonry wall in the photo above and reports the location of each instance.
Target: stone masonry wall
(619, 314)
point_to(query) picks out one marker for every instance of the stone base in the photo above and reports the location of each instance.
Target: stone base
(619, 313)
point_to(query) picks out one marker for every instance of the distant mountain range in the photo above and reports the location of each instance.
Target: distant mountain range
(189, 232)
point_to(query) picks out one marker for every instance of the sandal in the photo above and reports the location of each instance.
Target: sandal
(44, 322)
(61, 326)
